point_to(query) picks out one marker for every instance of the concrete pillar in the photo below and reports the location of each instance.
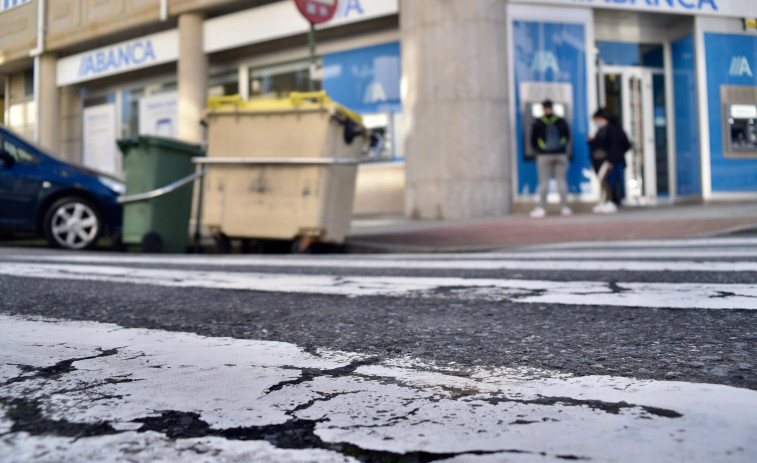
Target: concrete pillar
(193, 77)
(455, 89)
(71, 125)
(49, 104)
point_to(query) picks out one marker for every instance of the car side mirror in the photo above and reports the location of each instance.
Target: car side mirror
(7, 159)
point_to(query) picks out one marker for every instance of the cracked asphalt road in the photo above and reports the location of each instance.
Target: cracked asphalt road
(381, 358)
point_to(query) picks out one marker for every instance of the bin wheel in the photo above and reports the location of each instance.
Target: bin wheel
(251, 246)
(152, 243)
(223, 243)
(303, 245)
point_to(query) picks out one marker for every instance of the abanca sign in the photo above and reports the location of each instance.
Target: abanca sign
(116, 59)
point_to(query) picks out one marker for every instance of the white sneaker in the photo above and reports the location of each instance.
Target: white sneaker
(566, 211)
(610, 208)
(538, 212)
(598, 208)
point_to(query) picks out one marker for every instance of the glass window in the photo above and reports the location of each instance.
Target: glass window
(660, 133)
(279, 80)
(366, 80)
(630, 54)
(29, 83)
(130, 105)
(19, 154)
(130, 112)
(224, 84)
(99, 100)
(614, 96)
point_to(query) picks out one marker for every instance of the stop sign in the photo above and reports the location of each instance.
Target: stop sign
(317, 11)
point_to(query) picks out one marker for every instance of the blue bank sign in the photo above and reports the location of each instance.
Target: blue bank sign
(118, 58)
(698, 5)
(733, 8)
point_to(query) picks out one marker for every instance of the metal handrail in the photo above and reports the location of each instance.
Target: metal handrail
(161, 191)
(276, 161)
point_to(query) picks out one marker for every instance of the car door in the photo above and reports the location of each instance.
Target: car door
(20, 183)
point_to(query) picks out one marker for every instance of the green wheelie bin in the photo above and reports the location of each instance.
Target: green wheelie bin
(155, 169)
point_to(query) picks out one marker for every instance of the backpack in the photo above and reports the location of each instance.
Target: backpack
(553, 142)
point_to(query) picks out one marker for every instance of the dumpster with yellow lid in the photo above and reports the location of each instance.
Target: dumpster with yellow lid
(281, 169)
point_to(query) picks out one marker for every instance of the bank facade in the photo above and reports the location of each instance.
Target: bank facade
(453, 84)
(677, 73)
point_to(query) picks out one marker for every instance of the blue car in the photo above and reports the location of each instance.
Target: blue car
(72, 207)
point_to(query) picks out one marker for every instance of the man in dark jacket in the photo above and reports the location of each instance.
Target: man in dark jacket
(608, 148)
(549, 138)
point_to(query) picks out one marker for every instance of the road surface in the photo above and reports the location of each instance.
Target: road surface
(629, 351)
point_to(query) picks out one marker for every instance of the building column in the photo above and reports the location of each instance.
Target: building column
(71, 125)
(193, 77)
(49, 103)
(455, 90)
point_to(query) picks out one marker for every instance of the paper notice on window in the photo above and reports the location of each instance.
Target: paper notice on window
(100, 150)
(158, 115)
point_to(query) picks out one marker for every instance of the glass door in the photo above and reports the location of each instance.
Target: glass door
(635, 96)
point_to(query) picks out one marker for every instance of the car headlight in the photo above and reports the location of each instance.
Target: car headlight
(113, 185)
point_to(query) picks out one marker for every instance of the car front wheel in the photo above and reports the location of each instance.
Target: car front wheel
(72, 223)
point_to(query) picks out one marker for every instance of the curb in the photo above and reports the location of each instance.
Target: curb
(362, 247)
(358, 247)
(737, 231)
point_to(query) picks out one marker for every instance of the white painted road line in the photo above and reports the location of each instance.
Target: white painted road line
(484, 263)
(128, 380)
(620, 253)
(650, 295)
(668, 243)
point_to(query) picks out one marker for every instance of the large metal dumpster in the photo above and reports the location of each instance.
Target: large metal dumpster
(281, 169)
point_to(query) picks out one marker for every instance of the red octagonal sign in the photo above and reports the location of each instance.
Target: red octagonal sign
(317, 11)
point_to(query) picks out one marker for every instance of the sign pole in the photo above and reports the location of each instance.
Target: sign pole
(313, 67)
(315, 12)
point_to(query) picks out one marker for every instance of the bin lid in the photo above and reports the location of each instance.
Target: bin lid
(149, 141)
(296, 100)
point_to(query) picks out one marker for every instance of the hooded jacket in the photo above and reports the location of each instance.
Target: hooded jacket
(613, 141)
(539, 133)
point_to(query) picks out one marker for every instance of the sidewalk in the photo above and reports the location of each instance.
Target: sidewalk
(397, 234)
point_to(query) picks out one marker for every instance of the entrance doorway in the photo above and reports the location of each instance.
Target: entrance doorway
(636, 97)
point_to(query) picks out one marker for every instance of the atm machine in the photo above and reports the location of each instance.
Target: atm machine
(739, 121)
(531, 95)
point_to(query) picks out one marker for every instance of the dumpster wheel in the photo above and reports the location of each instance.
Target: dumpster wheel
(152, 242)
(223, 243)
(253, 246)
(303, 244)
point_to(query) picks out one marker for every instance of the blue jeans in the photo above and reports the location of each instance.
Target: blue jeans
(617, 183)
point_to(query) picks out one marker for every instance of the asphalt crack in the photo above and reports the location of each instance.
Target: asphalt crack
(616, 288)
(299, 434)
(296, 434)
(54, 371)
(727, 294)
(612, 408)
(323, 398)
(27, 416)
(87, 387)
(310, 374)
